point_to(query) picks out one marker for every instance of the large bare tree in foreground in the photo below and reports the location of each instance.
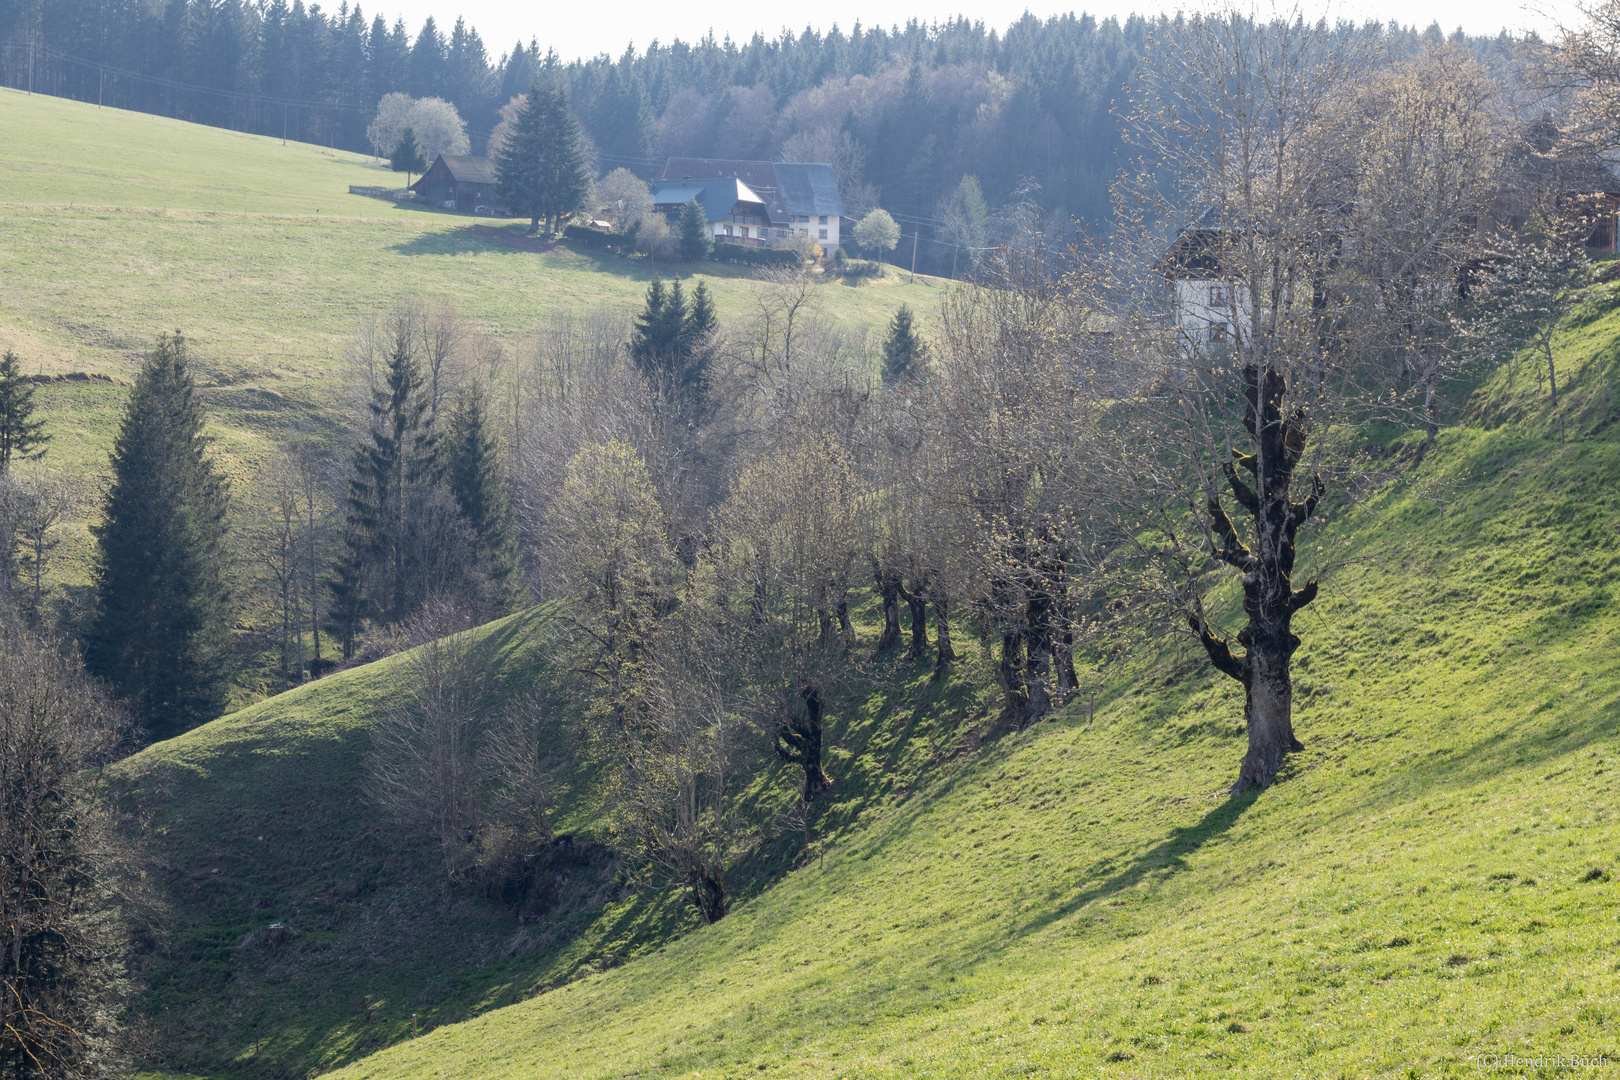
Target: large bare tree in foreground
(1241, 118)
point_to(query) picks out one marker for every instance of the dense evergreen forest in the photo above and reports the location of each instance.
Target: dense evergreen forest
(905, 113)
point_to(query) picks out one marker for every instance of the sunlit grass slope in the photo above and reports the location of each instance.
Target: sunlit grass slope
(116, 227)
(1430, 881)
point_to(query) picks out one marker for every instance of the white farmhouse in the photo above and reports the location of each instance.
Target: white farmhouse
(796, 197)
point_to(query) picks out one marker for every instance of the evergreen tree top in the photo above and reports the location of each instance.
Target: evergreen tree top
(21, 436)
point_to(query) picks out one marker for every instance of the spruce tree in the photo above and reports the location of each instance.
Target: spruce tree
(540, 170)
(696, 242)
(159, 635)
(21, 436)
(671, 341)
(903, 349)
(407, 157)
(473, 472)
(377, 573)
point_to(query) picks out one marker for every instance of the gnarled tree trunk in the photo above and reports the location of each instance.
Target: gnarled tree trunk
(708, 894)
(917, 600)
(888, 584)
(798, 740)
(945, 653)
(1269, 599)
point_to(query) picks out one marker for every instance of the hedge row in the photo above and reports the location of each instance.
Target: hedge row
(754, 256)
(592, 238)
(734, 253)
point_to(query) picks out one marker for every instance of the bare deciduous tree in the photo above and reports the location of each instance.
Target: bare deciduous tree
(451, 759)
(784, 550)
(62, 939)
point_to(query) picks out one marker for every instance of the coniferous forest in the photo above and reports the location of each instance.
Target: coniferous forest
(904, 113)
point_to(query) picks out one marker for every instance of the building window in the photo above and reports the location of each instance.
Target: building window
(745, 232)
(1217, 332)
(1217, 293)
(728, 230)
(823, 221)
(824, 234)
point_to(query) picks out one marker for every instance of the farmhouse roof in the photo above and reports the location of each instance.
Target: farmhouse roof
(789, 189)
(717, 197)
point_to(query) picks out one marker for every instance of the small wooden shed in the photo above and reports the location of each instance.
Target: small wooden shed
(459, 182)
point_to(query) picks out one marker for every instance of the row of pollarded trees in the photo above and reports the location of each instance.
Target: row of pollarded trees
(709, 502)
(1063, 462)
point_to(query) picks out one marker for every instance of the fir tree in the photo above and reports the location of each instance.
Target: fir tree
(473, 472)
(376, 575)
(159, 635)
(696, 242)
(407, 157)
(903, 350)
(540, 169)
(671, 342)
(21, 436)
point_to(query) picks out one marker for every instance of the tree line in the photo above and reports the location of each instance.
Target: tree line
(902, 113)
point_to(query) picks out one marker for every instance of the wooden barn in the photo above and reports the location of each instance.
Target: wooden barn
(457, 182)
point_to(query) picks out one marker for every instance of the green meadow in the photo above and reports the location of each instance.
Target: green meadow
(1431, 881)
(118, 226)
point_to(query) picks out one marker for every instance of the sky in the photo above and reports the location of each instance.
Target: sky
(586, 31)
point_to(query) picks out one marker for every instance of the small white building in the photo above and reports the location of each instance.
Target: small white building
(1207, 307)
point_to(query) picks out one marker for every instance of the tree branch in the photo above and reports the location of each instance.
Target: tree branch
(1220, 654)
(1232, 550)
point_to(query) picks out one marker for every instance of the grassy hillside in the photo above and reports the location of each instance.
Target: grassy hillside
(118, 226)
(1432, 879)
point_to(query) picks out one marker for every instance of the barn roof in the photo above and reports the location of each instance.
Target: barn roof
(465, 169)
(809, 188)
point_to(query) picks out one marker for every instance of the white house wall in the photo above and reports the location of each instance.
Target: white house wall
(1210, 311)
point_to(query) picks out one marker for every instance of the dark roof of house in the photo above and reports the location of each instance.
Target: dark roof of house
(717, 197)
(789, 189)
(464, 169)
(809, 188)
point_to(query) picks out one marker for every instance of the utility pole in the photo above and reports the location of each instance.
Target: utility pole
(30, 63)
(915, 229)
(101, 91)
(283, 125)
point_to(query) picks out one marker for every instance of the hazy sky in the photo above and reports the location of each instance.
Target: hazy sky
(586, 30)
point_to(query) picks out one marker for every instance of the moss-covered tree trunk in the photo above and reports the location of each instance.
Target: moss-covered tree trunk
(798, 740)
(1269, 598)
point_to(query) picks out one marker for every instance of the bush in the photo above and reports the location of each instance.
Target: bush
(861, 268)
(591, 238)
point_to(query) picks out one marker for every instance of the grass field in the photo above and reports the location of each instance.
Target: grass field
(1432, 880)
(117, 226)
